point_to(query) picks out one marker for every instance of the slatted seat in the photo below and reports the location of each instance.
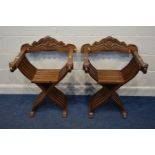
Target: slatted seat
(111, 80)
(45, 79)
(46, 76)
(110, 77)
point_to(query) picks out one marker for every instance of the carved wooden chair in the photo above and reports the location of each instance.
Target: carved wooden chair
(111, 80)
(45, 79)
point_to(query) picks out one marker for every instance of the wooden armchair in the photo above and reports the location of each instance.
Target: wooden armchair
(111, 80)
(45, 79)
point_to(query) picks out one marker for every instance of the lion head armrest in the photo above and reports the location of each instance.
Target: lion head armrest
(143, 66)
(72, 50)
(18, 59)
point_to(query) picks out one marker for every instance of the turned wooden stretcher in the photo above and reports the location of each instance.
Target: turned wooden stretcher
(111, 80)
(45, 79)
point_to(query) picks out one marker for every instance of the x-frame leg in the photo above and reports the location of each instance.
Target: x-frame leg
(53, 94)
(102, 96)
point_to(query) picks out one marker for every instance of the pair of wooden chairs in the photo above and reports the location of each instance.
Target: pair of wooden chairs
(47, 79)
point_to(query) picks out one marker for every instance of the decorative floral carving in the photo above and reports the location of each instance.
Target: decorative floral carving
(109, 44)
(47, 41)
(47, 44)
(110, 41)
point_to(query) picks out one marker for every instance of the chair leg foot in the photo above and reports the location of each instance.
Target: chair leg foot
(32, 114)
(64, 114)
(90, 115)
(124, 114)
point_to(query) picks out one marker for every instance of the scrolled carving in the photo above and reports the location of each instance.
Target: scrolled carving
(47, 44)
(110, 44)
(48, 41)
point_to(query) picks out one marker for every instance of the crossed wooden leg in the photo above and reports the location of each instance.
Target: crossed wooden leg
(115, 97)
(102, 96)
(54, 95)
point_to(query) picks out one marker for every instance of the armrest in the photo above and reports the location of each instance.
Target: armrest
(89, 68)
(86, 62)
(16, 62)
(70, 60)
(142, 64)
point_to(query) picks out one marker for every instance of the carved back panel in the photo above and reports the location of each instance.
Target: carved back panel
(47, 44)
(109, 44)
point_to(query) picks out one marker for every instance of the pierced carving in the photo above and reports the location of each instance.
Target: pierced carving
(109, 44)
(47, 44)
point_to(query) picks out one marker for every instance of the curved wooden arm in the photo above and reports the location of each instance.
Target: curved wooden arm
(69, 65)
(88, 67)
(86, 62)
(142, 64)
(70, 59)
(14, 64)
